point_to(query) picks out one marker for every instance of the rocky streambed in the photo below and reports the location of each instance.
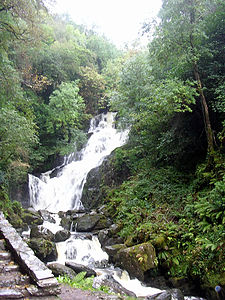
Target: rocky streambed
(60, 240)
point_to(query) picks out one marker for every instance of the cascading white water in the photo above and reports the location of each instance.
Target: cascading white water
(64, 192)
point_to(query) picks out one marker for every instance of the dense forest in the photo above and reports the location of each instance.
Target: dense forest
(55, 75)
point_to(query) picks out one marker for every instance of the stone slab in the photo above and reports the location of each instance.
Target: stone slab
(25, 256)
(10, 294)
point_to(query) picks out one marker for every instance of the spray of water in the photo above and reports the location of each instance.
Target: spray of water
(64, 192)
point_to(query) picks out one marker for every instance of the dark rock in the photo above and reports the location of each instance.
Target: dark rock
(41, 232)
(66, 222)
(32, 217)
(80, 268)
(46, 216)
(93, 222)
(62, 235)
(113, 250)
(137, 259)
(98, 178)
(187, 287)
(114, 286)
(61, 270)
(44, 249)
(62, 214)
(173, 294)
(103, 237)
(20, 193)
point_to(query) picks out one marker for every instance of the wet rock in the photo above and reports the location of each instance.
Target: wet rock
(44, 249)
(114, 286)
(99, 178)
(66, 222)
(136, 260)
(113, 250)
(93, 222)
(32, 217)
(46, 216)
(41, 232)
(80, 268)
(62, 235)
(173, 294)
(61, 270)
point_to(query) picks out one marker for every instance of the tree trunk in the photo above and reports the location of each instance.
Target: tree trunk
(208, 128)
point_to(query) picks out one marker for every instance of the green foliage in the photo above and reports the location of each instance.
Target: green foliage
(81, 282)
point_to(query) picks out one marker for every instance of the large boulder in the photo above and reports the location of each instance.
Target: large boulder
(45, 250)
(41, 232)
(91, 222)
(137, 259)
(62, 235)
(61, 270)
(32, 217)
(66, 222)
(80, 268)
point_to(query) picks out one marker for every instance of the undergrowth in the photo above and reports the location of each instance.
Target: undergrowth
(181, 214)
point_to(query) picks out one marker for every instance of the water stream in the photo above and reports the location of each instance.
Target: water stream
(63, 192)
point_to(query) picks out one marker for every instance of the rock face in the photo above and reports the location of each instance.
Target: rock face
(136, 260)
(98, 178)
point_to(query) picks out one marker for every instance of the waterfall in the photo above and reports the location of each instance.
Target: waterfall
(63, 192)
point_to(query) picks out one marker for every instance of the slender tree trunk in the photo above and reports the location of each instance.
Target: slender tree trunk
(208, 128)
(205, 111)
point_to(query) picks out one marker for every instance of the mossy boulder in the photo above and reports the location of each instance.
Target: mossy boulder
(137, 259)
(17, 222)
(45, 250)
(32, 218)
(66, 222)
(91, 222)
(41, 232)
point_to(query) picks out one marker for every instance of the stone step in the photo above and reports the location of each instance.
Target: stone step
(11, 279)
(9, 293)
(4, 255)
(11, 268)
